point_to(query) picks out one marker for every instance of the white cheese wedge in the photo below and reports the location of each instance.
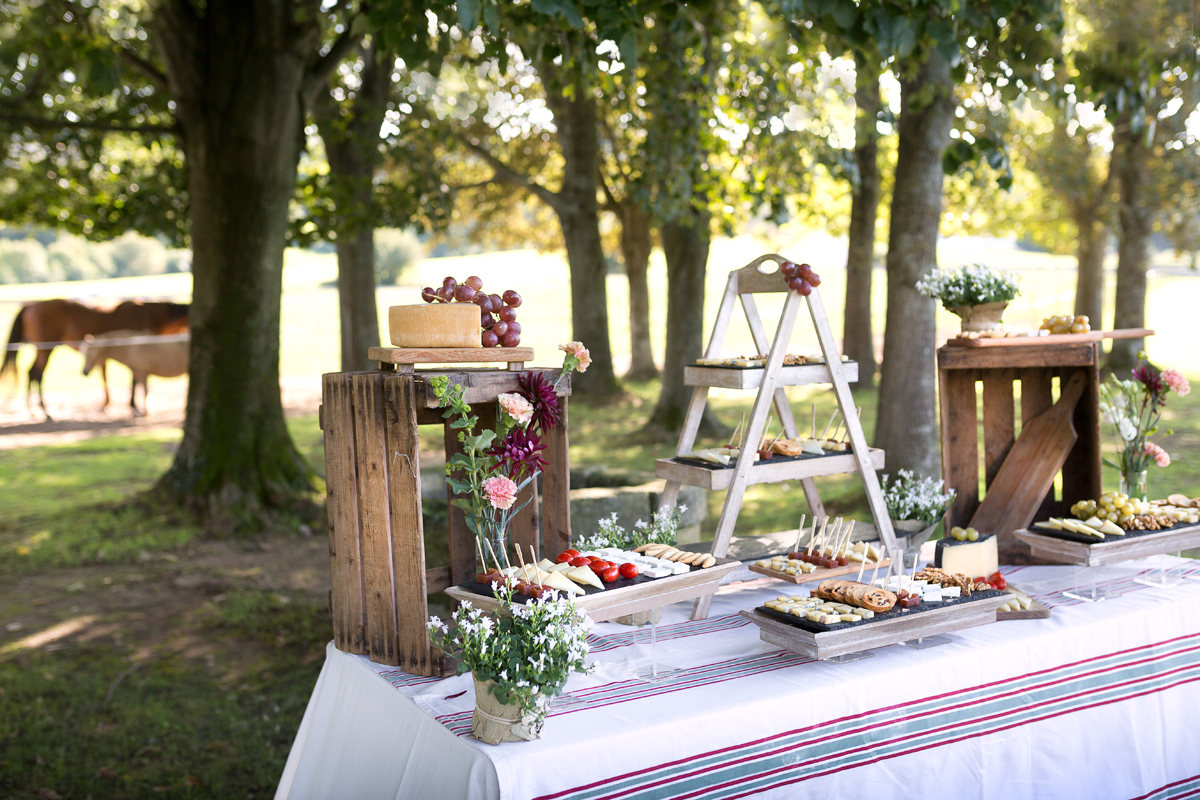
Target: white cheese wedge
(546, 565)
(556, 580)
(678, 569)
(656, 572)
(563, 567)
(931, 596)
(585, 575)
(435, 325)
(1110, 527)
(973, 559)
(811, 447)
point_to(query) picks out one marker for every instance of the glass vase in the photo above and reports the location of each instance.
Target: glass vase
(493, 544)
(1133, 484)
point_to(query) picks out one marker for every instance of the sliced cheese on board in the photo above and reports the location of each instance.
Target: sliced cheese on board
(585, 575)
(556, 580)
(435, 325)
(973, 559)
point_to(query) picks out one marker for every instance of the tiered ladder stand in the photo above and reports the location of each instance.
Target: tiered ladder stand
(743, 284)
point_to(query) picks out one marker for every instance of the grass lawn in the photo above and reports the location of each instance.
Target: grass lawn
(138, 659)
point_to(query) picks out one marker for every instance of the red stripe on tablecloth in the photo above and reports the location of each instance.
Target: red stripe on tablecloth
(885, 742)
(942, 743)
(877, 711)
(683, 630)
(1171, 786)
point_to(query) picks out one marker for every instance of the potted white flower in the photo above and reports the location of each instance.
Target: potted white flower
(519, 658)
(916, 506)
(977, 293)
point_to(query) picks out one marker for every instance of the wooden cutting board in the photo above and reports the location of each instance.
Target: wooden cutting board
(1028, 472)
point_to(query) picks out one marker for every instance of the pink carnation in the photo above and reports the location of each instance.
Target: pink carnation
(516, 407)
(501, 492)
(1159, 455)
(1176, 382)
(577, 350)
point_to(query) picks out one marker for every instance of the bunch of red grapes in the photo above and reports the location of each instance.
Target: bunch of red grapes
(497, 313)
(800, 278)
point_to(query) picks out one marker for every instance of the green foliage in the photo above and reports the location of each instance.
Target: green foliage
(72, 258)
(23, 261)
(396, 253)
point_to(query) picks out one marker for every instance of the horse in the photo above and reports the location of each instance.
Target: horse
(167, 359)
(53, 322)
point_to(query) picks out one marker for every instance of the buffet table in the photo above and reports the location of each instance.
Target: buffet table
(1098, 701)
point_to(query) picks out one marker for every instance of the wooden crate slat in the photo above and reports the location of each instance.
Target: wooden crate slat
(999, 419)
(373, 504)
(347, 598)
(1037, 396)
(1068, 355)
(556, 487)
(408, 549)
(960, 443)
(1083, 480)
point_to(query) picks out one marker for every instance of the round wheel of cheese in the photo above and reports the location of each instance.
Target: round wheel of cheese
(435, 325)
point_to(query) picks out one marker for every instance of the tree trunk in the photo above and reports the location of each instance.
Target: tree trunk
(858, 339)
(352, 148)
(579, 215)
(635, 250)
(1131, 166)
(242, 121)
(1089, 282)
(907, 421)
(685, 244)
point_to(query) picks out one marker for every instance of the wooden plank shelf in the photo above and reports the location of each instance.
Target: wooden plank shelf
(1051, 338)
(821, 574)
(880, 633)
(1064, 551)
(717, 477)
(449, 355)
(644, 595)
(752, 377)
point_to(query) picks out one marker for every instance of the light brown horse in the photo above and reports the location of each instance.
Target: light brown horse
(54, 322)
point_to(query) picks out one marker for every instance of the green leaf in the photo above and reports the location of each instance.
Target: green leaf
(468, 14)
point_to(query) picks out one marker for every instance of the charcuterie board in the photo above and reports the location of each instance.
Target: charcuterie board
(829, 641)
(1054, 546)
(1051, 338)
(624, 596)
(820, 574)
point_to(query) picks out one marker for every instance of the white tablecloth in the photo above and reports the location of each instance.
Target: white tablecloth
(1100, 701)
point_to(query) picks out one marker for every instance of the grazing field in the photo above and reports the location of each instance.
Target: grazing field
(138, 659)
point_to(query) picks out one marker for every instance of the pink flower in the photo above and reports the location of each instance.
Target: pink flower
(577, 351)
(516, 407)
(501, 492)
(1176, 382)
(1159, 455)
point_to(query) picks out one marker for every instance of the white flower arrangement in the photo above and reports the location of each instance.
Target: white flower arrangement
(526, 650)
(970, 285)
(663, 528)
(910, 497)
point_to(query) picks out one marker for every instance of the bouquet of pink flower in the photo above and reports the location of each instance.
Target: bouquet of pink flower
(496, 465)
(1134, 409)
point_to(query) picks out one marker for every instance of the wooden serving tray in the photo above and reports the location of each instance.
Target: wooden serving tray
(820, 574)
(1035, 611)
(1052, 338)
(876, 633)
(1155, 543)
(626, 596)
(448, 355)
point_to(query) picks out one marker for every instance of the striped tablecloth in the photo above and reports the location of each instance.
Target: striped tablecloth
(1100, 701)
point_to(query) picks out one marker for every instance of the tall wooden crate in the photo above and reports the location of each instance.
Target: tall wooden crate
(977, 387)
(379, 578)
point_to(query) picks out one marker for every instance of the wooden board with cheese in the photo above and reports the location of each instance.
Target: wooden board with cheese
(1052, 546)
(1032, 338)
(624, 596)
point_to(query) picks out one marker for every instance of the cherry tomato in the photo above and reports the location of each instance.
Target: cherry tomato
(999, 583)
(572, 552)
(628, 570)
(610, 574)
(593, 558)
(995, 576)
(564, 558)
(598, 566)
(579, 561)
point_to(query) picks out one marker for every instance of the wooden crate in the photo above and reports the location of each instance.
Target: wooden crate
(970, 377)
(373, 489)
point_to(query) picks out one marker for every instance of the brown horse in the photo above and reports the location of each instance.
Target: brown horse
(54, 322)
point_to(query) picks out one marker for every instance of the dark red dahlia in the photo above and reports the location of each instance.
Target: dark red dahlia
(540, 392)
(1151, 378)
(518, 454)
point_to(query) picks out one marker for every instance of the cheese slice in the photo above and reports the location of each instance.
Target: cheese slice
(585, 575)
(435, 325)
(546, 565)
(556, 580)
(973, 559)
